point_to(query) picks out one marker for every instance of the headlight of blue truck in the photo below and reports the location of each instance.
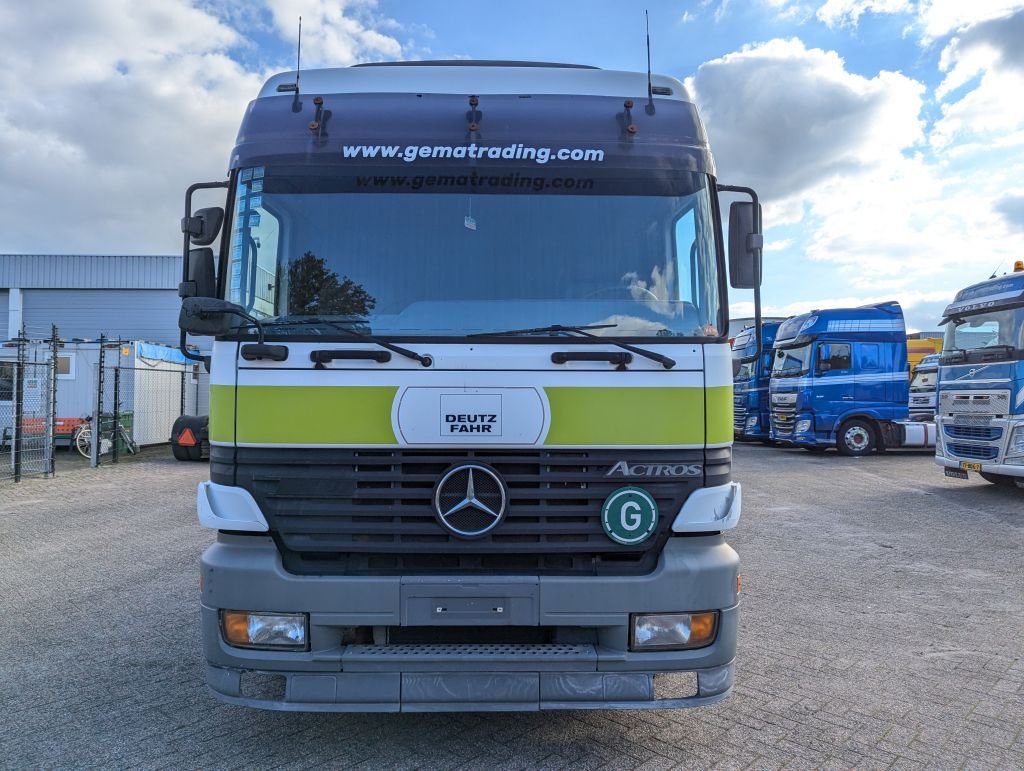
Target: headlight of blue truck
(803, 426)
(1015, 450)
(751, 422)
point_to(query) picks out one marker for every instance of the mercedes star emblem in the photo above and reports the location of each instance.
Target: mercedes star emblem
(470, 500)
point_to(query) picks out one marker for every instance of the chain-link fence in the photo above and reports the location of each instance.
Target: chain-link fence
(103, 399)
(136, 406)
(27, 418)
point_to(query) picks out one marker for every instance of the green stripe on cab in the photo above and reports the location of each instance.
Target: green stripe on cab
(356, 415)
(638, 416)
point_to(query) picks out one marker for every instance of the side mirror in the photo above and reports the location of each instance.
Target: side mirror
(745, 243)
(736, 364)
(203, 227)
(202, 280)
(208, 316)
(824, 357)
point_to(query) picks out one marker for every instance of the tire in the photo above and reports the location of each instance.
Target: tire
(857, 437)
(83, 442)
(997, 479)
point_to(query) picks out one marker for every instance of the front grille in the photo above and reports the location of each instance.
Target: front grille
(974, 402)
(369, 512)
(980, 433)
(783, 420)
(973, 451)
(739, 415)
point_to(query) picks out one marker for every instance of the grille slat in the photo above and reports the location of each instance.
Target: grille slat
(339, 511)
(973, 451)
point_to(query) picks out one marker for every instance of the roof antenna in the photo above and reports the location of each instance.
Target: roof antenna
(294, 87)
(298, 57)
(650, 89)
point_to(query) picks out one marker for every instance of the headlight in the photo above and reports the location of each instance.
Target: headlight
(803, 426)
(752, 422)
(264, 630)
(1016, 442)
(673, 631)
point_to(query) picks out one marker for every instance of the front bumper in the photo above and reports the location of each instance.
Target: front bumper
(1004, 469)
(695, 573)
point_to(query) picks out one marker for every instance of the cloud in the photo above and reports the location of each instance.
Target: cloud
(130, 104)
(848, 158)
(337, 33)
(1011, 208)
(988, 58)
(785, 117)
(938, 18)
(848, 12)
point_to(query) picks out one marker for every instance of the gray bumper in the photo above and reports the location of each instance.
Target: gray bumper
(693, 574)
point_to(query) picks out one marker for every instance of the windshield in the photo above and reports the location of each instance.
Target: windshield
(745, 372)
(790, 362)
(924, 381)
(456, 255)
(992, 330)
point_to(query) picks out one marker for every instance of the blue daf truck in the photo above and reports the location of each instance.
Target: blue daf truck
(471, 393)
(840, 379)
(751, 416)
(980, 413)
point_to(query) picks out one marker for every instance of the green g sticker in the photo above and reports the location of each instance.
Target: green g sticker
(629, 515)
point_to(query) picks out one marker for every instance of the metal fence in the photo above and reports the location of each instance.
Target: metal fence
(103, 399)
(136, 406)
(27, 417)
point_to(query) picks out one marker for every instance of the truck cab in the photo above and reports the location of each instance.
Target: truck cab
(980, 415)
(923, 387)
(751, 413)
(471, 393)
(839, 379)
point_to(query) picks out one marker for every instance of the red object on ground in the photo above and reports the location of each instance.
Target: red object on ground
(187, 439)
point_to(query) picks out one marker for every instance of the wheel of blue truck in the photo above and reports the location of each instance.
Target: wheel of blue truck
(997, 479)
(856, 437)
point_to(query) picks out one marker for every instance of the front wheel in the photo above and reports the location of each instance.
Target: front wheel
(83, 442)
(856, 438)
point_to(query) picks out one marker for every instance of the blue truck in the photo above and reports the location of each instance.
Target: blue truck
(840, 379)
(981, 383)
(750, 408)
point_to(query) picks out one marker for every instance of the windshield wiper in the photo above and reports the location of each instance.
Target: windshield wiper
(342, 326)
(541, 330)
(663, 360)
(1009, 350)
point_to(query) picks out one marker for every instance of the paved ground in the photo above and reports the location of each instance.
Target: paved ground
(882, 625)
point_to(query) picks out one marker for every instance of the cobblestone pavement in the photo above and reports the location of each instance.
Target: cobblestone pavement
(882, 626)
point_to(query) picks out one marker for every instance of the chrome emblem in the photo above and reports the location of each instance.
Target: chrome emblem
(470, 500)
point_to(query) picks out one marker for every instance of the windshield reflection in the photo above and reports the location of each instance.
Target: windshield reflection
(792, 362)
(446, 262)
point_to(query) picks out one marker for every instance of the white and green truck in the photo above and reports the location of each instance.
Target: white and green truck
(471, 403)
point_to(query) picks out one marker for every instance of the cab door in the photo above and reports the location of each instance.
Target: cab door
(872, 387)
(834, 386)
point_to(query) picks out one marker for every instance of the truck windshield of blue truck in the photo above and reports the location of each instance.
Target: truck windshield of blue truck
(792, 362)
(994, 334)
(443, 253)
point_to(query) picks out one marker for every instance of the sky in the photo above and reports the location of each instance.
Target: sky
(885, 137)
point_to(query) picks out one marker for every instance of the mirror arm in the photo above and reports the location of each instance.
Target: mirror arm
(183, 347)
(756, 246)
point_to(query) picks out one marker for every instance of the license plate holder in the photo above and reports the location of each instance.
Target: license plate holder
(956, 473)
(966, 465)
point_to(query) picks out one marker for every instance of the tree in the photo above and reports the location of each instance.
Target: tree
(314, 290)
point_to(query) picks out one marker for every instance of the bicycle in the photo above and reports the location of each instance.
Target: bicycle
(83, 439)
